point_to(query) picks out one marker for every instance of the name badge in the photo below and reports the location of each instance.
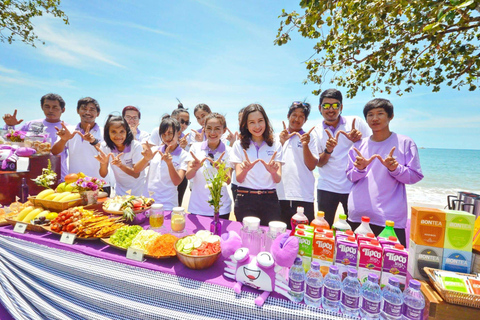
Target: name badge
(20, 227)
(68, 238)
(135, 254)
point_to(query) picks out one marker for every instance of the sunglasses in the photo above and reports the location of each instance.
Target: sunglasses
(334, 106)
(185, 122)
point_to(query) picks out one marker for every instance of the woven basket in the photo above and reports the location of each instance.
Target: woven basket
(55, 205)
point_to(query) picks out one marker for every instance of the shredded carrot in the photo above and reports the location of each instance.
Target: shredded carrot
(162, 246)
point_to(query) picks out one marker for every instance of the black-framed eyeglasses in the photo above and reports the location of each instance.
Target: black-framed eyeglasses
(185, 122)
(334, 106)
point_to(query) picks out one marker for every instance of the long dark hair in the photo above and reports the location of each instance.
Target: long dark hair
(167, 122)
(245, 135)
(106, 131)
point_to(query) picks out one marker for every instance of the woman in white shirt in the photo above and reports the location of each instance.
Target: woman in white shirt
(206, 156)
(258, 166)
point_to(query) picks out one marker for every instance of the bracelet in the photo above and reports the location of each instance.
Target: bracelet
(94, 143)
(326, 151)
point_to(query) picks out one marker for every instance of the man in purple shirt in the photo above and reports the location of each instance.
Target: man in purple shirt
(53, 107)
(379, 167)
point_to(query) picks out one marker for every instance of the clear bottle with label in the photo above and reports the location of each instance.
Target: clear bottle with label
(392, 300)
(314, 283)
(275, 228)
(332, 287)
(371, 297)
(252, 235)
(413, 301)
(350, 303)
(296, 280)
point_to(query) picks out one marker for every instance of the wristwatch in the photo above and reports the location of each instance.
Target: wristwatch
(94, 143)
(326, 151)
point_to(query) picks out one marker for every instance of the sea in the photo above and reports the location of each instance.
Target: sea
(446, 172)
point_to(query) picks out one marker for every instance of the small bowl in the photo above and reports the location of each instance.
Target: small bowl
(140, 218)
(196, 262)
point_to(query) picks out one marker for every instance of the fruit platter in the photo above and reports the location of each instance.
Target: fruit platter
(198, 251)
(153, 244)
(128, 206)
(86, 224)
(56, 201)
(33, 216)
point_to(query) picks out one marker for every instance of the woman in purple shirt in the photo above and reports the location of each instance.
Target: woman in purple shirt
(379, 167)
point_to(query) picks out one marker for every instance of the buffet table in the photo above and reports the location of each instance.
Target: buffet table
(42, 278)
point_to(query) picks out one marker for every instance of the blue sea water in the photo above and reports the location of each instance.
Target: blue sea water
(446, 171)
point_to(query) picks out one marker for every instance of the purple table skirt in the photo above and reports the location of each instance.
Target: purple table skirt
(96, 248)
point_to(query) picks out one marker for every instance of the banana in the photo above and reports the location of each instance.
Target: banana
(45, 193)
(24, 213)
(41, 214)
(51, 196)
(60, 196)
(32, 215)
(70, 197)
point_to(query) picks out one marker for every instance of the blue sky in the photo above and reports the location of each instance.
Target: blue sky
(146, 53)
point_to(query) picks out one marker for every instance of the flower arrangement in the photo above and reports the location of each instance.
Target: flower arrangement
(16, 136)
(89, 184)
(47, 178)
(215, 182)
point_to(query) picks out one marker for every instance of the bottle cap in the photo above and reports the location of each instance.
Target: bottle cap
(320, 214)
(315, 264)
(298, 260)
(389, 223)
(392, 238)
(374, 242)
(277, 227)
(319, 230)
(352, 272)
(351, 239)
(414, 284)
(329, 235)
(349, 233)
(365, 219)
(251, 223)
(394, 281)
(300, 232)
(157, 206)
(342, 216)
(370, 235)
(300, 209)
(399, 246)
(178, 209)
(373, 277)
(333, 269)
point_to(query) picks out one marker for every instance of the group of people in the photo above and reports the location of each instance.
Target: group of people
(362, 164)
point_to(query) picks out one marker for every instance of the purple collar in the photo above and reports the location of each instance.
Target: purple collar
(182, 135)
(126, 150)
(94, 128)
(175, 152)
(332, 128)
(258, 146)
(301, 131)
(220, 148)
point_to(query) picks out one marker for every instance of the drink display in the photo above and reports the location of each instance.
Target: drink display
(156, 216)
(275, 228)
(371, 297)
(296, 280)
(388, 231)
(341, 224)
(332, 287)
(319, 221)
(392, 300)
(413, 302)
(298, 218)
(252, 235)
(314, 283)
(178, 219)
(364, 227)
(349, 304)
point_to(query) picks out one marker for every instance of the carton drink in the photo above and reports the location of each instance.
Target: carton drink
(428, 227)
(370, 259)
(366, 237)
(344, 234)
(457, 261)
(346, 255)
(459, 227)
(305, 241)
(395, 262)
(323, 251)
(423, 256)
(305, 227)
(390, 241)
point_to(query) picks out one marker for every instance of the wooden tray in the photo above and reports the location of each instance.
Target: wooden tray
(107, 241)
(30, 227)
(55, 205)
(48, 229)
(464, 299)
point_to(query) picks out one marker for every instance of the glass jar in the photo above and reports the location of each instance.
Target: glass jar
(156, 216)
(252, 235)
(275, 228)
(178, 219)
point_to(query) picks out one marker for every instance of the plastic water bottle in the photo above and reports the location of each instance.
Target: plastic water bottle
(392, 300)
(332, 287)
(349, 305)
(371, 297)
(298, 218)
(296, 280)
(313, 290)
(364, 227)
(388, 231)
(413, 302)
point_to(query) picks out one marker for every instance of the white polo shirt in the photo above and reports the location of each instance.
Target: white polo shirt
(200, 195)
(155, 137)
(131, 155)
(159, 183)
(142, 136)
(332, 176)
(81, 154)
(258, 177)
(298, 182)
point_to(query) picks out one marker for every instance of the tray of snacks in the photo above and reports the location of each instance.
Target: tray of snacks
(34, 217)
(10, 211)
(56, 201)
(153, 244)
(454, 287)
(120, 204)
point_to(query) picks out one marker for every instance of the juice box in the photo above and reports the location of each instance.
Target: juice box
(390, 241)
(427, 227)
(459, 227)
(323, 251)
(305, 241)
(346, 255)
(366, 237)
(369, 260)
(423, 256)
(395, 262)
(344, 234)
(305, 227)
(457, 261)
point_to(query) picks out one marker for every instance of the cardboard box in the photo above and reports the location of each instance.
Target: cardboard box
(459, 228)
(457, 261)
(346, 255)
(428, 227)
(423, 256)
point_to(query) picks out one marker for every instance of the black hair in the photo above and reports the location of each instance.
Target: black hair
(55, 97)
(305, 106)
(331, 93)
(167, 122)
(131, 108)
(84, 101)
(245, 135)
(202, 106)
(106, 131)
(216, 115)
(379, 103)
(180, 109)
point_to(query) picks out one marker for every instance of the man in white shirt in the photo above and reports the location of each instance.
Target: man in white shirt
(132, 115)
(335, 136)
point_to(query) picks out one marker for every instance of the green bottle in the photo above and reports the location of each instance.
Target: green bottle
(388, 231)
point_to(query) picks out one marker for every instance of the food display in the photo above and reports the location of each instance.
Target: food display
(127, 205)
(123, 237)
(58, 201)
(200, 244)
